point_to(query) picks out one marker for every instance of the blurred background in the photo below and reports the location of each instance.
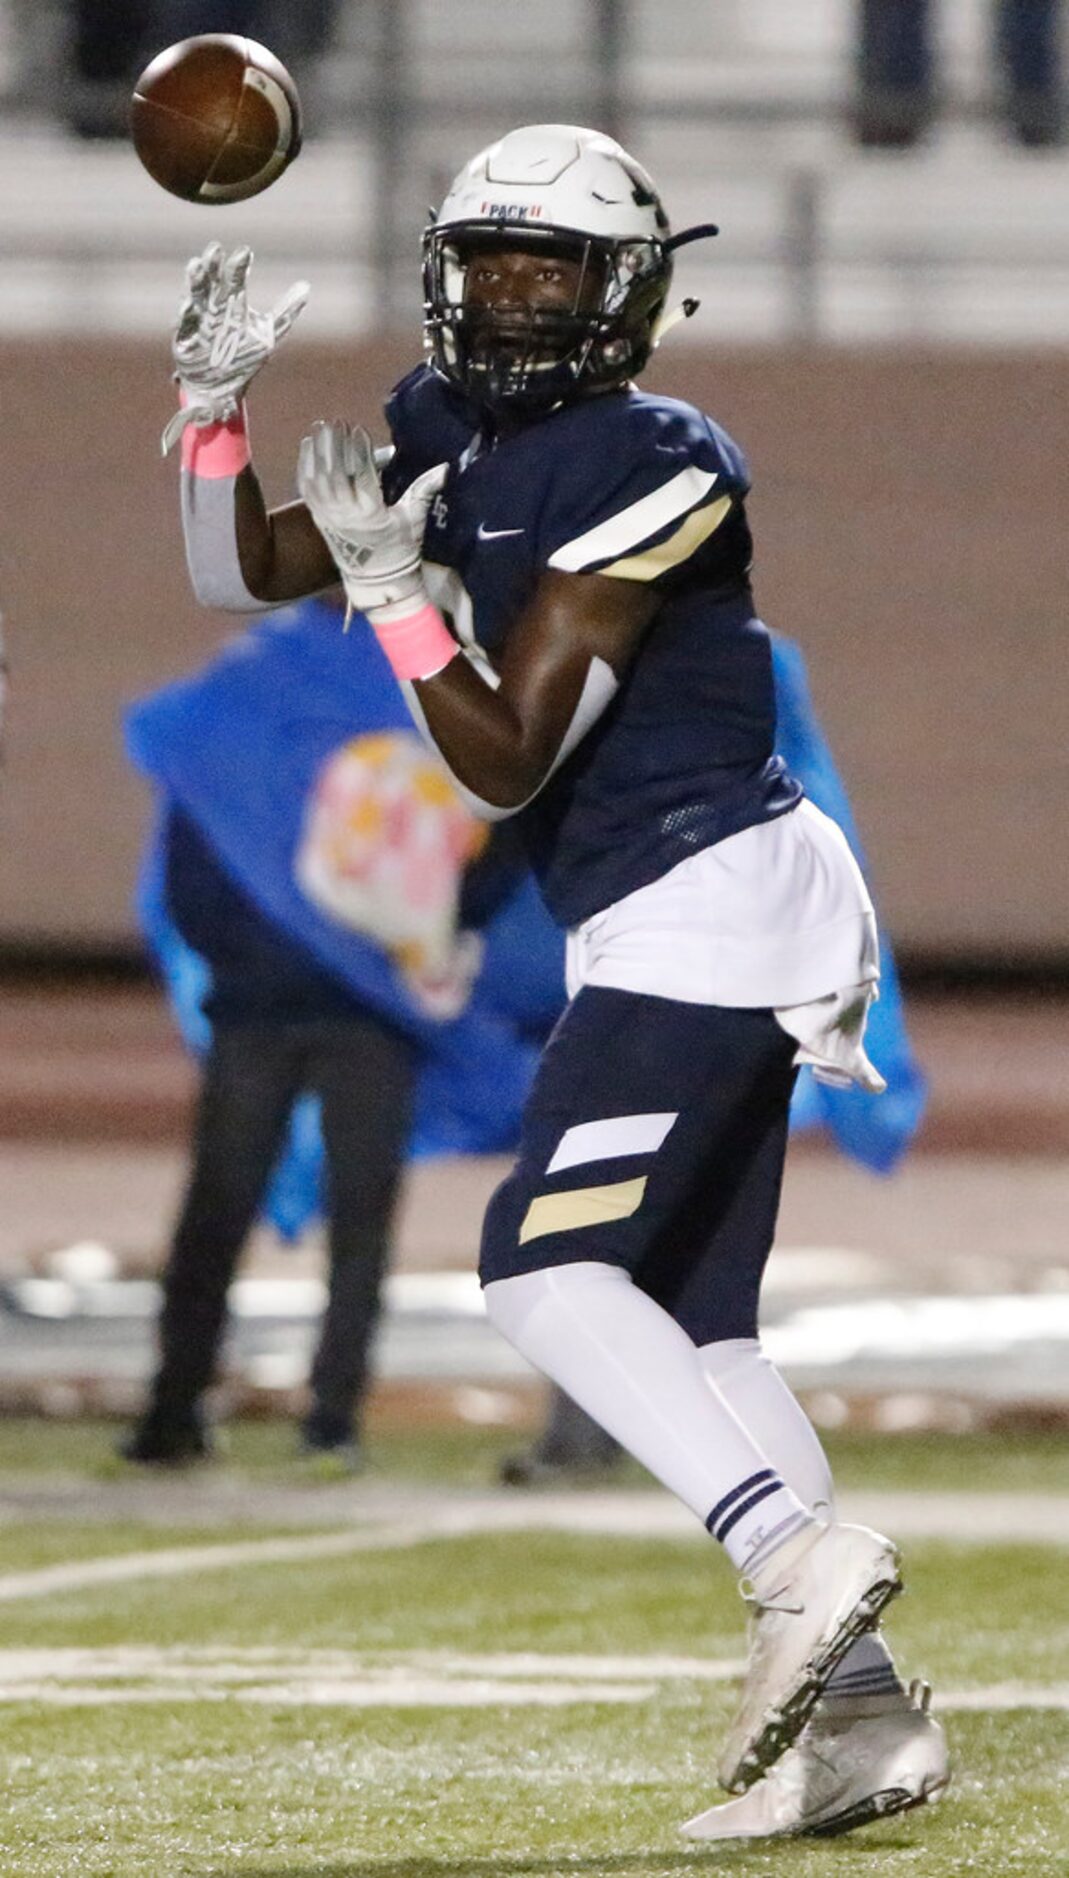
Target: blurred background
(883, 326)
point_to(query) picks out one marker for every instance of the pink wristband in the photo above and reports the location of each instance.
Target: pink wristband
(216, 450)
(419, 646)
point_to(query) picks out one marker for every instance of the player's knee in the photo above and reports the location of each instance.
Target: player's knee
(506, 1305)
(722, 1356)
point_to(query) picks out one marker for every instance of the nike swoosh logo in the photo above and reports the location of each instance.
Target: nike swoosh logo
(483, 533)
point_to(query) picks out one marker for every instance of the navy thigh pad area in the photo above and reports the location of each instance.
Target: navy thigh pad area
(653, 1139)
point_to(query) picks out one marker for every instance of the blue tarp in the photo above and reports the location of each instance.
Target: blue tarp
(873, 1129)
(239, 746)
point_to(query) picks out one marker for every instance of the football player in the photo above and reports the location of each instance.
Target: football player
(557, 567)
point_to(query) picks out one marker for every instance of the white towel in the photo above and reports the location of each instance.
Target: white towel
(831, 1034)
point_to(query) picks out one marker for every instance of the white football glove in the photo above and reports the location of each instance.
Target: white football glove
(220, 341)
(378, 547)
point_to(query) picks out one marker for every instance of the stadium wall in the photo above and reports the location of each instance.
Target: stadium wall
(909, 515)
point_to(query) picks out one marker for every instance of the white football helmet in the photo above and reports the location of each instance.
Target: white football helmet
(572, 193)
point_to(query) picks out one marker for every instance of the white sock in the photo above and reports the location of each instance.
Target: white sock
(742, 1376)
(631, 1367)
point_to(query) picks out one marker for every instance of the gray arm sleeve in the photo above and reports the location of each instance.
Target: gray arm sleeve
(212, 544)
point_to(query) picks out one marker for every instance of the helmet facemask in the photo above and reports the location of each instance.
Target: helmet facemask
(528, 358)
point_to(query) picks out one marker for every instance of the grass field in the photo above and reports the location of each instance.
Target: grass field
(494, 1705)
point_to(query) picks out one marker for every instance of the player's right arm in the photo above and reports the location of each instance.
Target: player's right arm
(241, 556)
(281, 552)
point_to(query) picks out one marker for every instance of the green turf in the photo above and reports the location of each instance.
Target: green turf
(230, 1787)
(550, 1592)
(29, 1545)
(1036, 1462)
(590, 1790)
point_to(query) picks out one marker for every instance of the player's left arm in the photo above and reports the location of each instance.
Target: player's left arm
(564, 660)
(565, 656)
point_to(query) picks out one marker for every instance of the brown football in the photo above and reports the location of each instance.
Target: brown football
(216, 118)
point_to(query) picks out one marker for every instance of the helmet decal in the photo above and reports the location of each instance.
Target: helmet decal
(511, 211)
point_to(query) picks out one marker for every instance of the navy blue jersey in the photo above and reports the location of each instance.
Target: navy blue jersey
(634, 487)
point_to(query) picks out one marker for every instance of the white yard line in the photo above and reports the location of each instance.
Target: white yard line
(1006, 1695)
(178, 1561)
(407, 1518)
(237, 1665)
(140, 1674)
(335, 1692)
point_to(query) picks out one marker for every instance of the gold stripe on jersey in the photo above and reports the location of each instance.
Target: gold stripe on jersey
(582, 1206)
(677, 548)
(622, 532)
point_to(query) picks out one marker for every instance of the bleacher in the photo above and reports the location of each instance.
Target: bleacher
(740, 109)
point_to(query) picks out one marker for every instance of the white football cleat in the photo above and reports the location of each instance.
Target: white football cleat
(827, 1597)
(854, 1762)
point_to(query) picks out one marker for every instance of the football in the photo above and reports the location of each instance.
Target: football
(216, 118)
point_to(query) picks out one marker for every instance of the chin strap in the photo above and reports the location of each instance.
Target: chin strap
(684, 311)
(702, 231)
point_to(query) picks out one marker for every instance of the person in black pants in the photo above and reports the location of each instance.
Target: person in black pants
(281, 1025)
(897, 78)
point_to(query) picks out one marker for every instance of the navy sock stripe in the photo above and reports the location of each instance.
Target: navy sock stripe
(721, 1532)
(865, 1676)
(847, 1690)
(736, 1493)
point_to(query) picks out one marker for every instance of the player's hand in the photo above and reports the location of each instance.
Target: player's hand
(220, 341)
(378, 547)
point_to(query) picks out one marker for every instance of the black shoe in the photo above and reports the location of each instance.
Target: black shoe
(329, 1440)
(1036, 120)
(887, 119)
(571, 1446)
(556, 1465)
(167, 1441)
